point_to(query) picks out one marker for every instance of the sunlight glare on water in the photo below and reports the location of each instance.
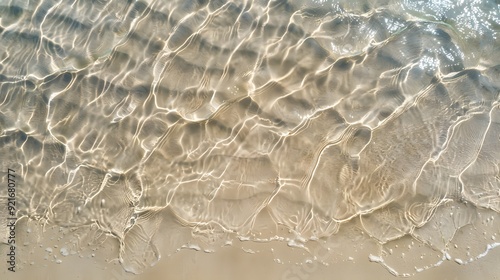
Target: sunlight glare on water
(317, 123)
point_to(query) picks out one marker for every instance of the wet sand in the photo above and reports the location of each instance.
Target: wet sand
(229, 262)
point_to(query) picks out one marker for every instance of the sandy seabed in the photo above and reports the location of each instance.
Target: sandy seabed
(250, 139)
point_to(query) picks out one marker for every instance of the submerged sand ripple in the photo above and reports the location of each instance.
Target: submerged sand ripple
(201, 121)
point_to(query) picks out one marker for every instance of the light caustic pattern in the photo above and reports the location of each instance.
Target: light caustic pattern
(168, 123)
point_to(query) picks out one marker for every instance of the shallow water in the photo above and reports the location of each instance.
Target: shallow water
(318, 124)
